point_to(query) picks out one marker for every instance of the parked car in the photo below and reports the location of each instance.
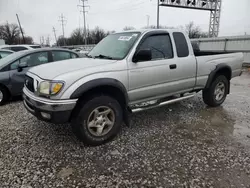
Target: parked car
(17, 48)
(122, 73)
(14, 67)
(4, 53)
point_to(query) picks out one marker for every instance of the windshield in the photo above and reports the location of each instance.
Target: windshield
(4, 54)
(10, 57)
(115, 46)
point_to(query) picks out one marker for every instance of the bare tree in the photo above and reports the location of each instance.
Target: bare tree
(28, 40)
(9, 32)
(127, 28)
(97, 35)
(76, 37)
(195, 31)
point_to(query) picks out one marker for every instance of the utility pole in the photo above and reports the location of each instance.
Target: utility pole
(54, 30)
(63, 20)
(83, 6)
(148, 17)
(20, 27)
(158, 14)
(48, 41)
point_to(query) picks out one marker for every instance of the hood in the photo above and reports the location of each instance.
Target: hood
(54, 69)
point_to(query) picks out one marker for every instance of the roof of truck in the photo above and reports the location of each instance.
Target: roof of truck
(149, 30)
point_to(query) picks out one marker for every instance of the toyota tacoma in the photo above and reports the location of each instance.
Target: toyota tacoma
(127, 72)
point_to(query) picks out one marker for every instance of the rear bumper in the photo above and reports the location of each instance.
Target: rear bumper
(54, 111)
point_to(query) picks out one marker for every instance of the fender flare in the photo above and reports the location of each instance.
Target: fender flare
(215, 71)
(97, 83)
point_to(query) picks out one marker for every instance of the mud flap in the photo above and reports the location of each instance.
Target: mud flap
(126, 118)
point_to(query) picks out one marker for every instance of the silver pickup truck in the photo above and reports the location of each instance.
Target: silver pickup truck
(127, 72)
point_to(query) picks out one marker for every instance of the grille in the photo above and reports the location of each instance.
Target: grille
(29, 83)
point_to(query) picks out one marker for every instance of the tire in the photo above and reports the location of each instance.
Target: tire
(86, 122)
(209, 95)
(4, 95)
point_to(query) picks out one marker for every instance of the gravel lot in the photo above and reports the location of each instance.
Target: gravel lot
(182, 145)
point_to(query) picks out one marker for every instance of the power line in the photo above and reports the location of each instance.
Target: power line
(63, 23)
(83, 6)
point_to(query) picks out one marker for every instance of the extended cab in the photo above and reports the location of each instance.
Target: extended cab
(127, 72)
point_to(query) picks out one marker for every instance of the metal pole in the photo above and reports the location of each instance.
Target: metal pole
(20, 28)
(55, 35)
(62, 20)
(84, 17)
(158, 14)
(148, 21)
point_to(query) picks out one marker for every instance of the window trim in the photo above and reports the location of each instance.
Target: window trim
(155, 33)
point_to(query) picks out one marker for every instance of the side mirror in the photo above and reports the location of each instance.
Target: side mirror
(142, 55)
(21, 66)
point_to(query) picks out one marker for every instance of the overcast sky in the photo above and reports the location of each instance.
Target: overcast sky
(39, 16)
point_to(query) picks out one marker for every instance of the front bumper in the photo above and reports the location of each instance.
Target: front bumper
(54, 111)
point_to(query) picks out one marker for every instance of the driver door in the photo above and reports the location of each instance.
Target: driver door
(17, 75)
(148, 79)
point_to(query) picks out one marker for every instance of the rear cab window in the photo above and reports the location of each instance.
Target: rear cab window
(181, 44)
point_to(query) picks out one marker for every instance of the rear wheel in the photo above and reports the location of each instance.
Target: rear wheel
(98, 120)
(216, 94)
(4, 95)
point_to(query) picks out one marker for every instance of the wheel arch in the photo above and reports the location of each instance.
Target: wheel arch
(6, 88)
(108, 86)
(97, 85)
(221, 69)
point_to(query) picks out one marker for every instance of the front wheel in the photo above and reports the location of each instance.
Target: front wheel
(216, 94)
(4, 96)
(98, 120)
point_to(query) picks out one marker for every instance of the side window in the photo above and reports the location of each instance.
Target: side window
(6, 48)
(160, 46)
(73, 56)
(35, 59)
(18, 48)
(181, 44)
(60, 55)
(14, 65)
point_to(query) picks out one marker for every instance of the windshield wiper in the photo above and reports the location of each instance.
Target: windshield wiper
(103, 56)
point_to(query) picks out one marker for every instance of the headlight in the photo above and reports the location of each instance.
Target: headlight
(50, 88)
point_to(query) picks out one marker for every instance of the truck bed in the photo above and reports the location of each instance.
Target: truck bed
(206, 53)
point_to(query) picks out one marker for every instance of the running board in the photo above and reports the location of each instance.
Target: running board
(162, 104)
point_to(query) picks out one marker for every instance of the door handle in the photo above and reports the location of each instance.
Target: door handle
(173, 66)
